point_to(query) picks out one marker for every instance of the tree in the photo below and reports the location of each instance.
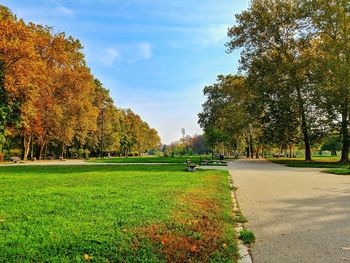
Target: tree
(225, 117)
(332, 144)
(273, 36)
(18, 72)
(331, 22)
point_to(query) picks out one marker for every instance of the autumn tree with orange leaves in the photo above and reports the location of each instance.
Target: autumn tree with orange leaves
(51, 101)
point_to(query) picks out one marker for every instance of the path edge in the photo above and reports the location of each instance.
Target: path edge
(243, 250)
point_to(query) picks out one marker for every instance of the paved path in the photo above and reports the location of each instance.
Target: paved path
(298, 214)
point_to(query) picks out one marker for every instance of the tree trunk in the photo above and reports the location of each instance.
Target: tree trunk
(257, 152)
(62, 150)
(345, 134)
(32, 151)
(304, 127)
(26, 143)
(41, 150)
(251, 149)
(247, 151)
(45, 152)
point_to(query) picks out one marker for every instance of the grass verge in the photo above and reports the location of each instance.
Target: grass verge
(318, 162)
(115, 214)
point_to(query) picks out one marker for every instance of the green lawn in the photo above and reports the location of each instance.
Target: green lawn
(152, 159)
(115, 214)
(317, 162)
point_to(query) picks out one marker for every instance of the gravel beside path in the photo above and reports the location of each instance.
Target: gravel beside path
(298, 214)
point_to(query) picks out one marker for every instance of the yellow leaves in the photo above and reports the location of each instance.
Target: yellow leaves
(87, 257)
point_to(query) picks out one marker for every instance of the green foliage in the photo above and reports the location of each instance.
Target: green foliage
(225, 117)
(339, 171)
(15, 152)
(86, 153)
(73, 152)
(240, 218)
(332, 144)
(247, 236)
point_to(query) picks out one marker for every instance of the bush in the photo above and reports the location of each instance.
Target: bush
(81, 152)
(15, 153)
(73, 152)
(87, 153)
(247, 236)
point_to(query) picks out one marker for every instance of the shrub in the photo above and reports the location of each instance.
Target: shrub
(81, 152)
(15, 153)
(247, 236)
(87, 153)
(73, 152)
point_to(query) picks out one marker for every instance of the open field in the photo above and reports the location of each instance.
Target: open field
(115, 213)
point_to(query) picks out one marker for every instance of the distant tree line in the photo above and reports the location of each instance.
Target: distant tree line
(293, 86)
(50, 103)
(189, 145)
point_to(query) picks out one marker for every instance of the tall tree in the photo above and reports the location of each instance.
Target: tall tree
(274, 32)
(331, 23)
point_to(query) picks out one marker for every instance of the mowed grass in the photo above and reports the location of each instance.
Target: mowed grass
(150, 159)
(330, 163)
(317, 162)
(115, 214)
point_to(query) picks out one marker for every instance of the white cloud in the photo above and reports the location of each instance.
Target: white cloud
(146, 50)
(108, 56)
(62, 10)
(124, 53)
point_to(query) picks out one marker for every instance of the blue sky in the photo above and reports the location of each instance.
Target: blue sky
(154, 55)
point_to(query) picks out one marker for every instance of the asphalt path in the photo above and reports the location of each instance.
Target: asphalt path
(297, 214)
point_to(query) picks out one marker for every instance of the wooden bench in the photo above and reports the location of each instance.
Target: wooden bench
(191, 167)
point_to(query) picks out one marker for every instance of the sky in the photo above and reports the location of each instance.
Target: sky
(155, 56)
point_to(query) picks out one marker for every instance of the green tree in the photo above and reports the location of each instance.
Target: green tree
(275, 44)
(331, 22)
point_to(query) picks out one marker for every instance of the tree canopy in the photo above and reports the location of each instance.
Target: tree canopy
(294, 79)
(50, 101)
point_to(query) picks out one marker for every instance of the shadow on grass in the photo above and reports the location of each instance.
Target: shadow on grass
(312, 164)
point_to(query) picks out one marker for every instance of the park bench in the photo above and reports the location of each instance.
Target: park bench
(191, 167)
(15, 159)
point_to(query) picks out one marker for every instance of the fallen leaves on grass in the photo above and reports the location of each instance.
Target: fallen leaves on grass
(194, 235)
(87, 257)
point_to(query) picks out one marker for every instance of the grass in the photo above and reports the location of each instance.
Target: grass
(115, 214)
(155, 159)
(331, 163)
(338, 171)
(149, 159)
(247, 236)
(317, 162)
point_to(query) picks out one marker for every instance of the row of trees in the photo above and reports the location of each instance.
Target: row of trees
(49, 100)
(188, 145)
(293, 87)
